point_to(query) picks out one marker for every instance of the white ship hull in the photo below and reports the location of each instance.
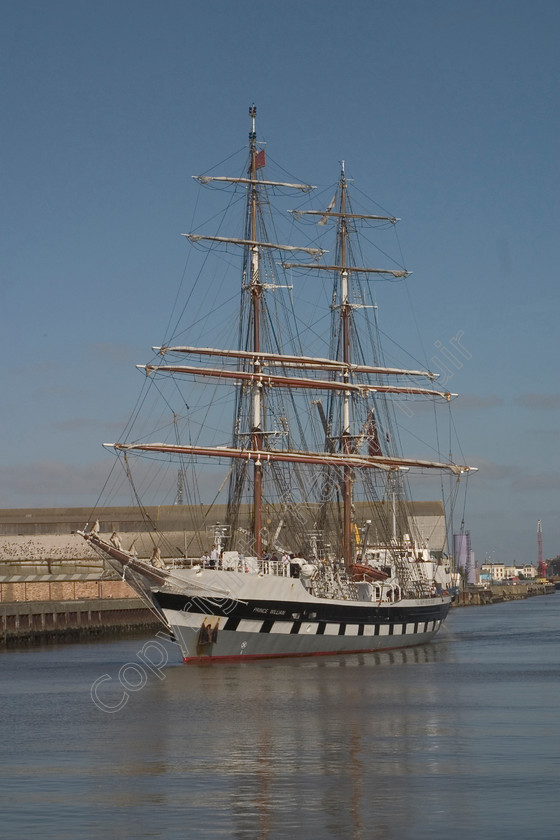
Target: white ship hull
(275, 617)
(228, 615)
(252, 640)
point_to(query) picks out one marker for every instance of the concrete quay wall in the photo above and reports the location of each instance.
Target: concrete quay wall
(32, 622)
(45, 588)
(498, 593)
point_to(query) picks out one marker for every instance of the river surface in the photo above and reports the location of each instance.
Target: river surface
(458, 739)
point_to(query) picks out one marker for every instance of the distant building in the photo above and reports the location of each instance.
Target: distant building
(527, 571)
(496, 571)
(499, 571)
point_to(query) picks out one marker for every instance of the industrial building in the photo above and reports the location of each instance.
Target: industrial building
(49, 533)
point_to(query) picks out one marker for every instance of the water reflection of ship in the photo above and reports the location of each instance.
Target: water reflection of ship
(309, 743)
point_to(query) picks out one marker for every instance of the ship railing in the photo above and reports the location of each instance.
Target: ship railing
(275, 567)
(265, 567)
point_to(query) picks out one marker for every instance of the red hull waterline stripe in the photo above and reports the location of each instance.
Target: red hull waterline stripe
(239, 657)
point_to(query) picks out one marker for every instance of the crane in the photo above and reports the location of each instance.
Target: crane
(541, 566)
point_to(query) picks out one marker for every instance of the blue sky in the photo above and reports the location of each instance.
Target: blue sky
(447, 114)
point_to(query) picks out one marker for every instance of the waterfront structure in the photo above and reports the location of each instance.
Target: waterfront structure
(499, 571)
(463, 557)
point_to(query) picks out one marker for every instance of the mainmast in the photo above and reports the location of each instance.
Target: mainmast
(343, 269)
(345, 433)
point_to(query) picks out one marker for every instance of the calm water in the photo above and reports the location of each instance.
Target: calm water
(457, 739)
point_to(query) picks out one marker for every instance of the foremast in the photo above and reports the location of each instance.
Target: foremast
(256, 296)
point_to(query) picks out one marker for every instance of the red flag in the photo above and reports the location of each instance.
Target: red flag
(260, 160)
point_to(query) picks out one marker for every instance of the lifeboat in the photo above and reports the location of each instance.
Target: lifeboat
(359, 571)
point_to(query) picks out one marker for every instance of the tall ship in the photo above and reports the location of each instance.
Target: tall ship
(291, 422)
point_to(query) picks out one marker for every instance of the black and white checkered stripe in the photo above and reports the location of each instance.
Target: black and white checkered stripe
(325, 628)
